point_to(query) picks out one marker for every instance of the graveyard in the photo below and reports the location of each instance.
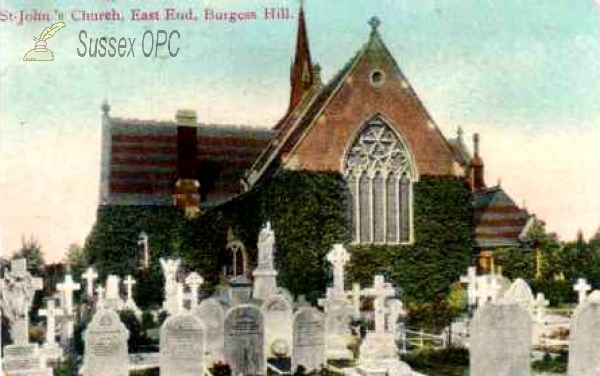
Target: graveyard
(250, 325)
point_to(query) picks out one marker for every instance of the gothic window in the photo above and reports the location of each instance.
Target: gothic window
(380, 175)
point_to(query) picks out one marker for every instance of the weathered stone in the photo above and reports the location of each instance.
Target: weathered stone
(182, 346)
(244, 340)
(584, 345)
(106, 346)
(308, 340)
(500, 342)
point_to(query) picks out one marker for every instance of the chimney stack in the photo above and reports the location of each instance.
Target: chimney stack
(477, 182)
(187, 195)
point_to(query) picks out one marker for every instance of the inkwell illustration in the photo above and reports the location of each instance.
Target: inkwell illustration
(40, 52)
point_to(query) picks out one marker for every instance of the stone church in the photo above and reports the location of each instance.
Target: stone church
(367, 123)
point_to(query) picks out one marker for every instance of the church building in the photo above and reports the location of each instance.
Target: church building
(366, 123)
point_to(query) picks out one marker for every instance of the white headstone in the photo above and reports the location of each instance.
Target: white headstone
(105, 350)
(308, 340)
(244, 340)
(278, 314)
(584, 338)
(66, 289)
(582, 288)
(182, 346)
(90, 276)
(501, 341)
(211, 313)
(520, 293)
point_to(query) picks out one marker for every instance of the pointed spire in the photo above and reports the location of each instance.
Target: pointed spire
(302, 76)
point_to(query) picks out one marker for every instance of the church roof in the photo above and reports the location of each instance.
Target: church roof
(143, 163)
(297, 123)
(459, 150)
(498, 221)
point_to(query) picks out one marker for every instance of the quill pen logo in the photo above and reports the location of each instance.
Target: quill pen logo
(41, 52)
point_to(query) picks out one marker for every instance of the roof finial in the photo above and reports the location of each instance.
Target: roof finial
(105, 108)
(374, 22)
(459, 133)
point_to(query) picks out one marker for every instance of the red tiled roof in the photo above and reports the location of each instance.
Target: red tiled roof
(143, 164)
(498, 220)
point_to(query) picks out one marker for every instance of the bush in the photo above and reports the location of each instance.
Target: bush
(136, 337)
(451, 361)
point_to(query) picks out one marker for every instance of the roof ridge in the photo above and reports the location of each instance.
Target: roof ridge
(154, 122)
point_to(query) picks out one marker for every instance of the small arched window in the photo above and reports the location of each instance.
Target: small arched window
(380, 175)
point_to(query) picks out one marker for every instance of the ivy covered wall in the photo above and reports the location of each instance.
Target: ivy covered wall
(308, 212)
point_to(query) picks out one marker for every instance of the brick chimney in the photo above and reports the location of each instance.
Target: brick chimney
(476, 178)
(187, 194)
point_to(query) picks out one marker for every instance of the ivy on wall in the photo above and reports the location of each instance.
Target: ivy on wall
(309, 213)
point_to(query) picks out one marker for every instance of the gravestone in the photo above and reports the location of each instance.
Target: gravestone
(244, 340)
(337, 329)
(308, 339)
(500, 343)
(278, 312)
(112, 295)
(105, 351)
(584, 345)
(212, 315)
(182, 346)
(18, 290)
(24, 360)
(520, 293)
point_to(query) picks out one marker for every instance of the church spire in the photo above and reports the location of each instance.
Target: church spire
(302, 75)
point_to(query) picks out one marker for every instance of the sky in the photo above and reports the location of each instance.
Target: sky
(524, 74)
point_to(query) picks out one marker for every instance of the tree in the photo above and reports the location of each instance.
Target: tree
(31, 250)
(76, 259)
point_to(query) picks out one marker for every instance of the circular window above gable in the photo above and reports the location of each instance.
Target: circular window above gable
(377, 78)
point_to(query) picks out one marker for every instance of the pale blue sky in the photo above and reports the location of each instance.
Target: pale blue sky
(523, 73)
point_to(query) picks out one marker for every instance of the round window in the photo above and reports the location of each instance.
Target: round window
(377, 78)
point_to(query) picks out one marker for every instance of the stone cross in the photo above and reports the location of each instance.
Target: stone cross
(395, 309)
(356, 293)
(380, 291)
(67, 288)
(194, 281)
(18, 290)
(540, 306)
(471, 281)
(90, 276)
(100, 292)
(582, 287)
(338, 257)
(129, 282)
(51, 313)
